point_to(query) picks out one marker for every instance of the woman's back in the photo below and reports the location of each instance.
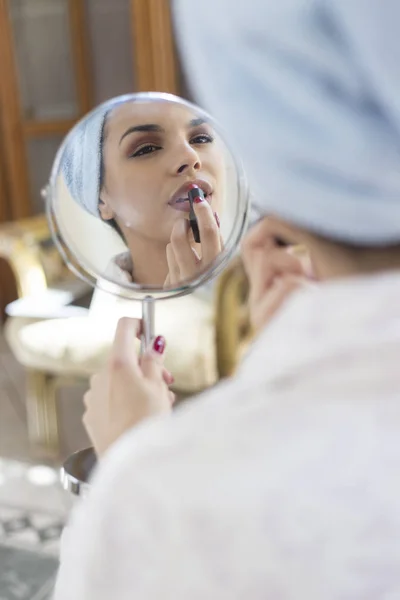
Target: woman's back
(281, 485)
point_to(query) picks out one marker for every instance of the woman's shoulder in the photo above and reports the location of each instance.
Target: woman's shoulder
(120, 268)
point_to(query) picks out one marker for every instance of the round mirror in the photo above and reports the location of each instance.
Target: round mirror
(145, 198)
(145, 201)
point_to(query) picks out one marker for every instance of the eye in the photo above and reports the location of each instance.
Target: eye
(202, 138)
(147, 149)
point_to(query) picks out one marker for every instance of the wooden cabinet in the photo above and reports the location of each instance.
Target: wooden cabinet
(59, 59)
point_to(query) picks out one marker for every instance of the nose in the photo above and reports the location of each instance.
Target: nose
(187, 160)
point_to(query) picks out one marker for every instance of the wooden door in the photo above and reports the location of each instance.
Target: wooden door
(59, 59)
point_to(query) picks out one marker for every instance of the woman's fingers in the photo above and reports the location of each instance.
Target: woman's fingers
(265, 234)
(167, 282)
(183, 251)
(273, 272)
(259, 237)
(168, 377)
(266, 266)
(124, 350)
(152, 360)
(183, 259)
(174, 275)
(281, 289)
(301, 253)
(210, 237)
(260, 275)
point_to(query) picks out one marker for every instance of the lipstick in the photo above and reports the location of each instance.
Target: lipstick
(194, 192)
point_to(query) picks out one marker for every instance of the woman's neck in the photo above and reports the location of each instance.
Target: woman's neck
(150, 266)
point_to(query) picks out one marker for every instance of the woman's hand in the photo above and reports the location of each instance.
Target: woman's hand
(127, 389)
(274, 272)
(184, 262)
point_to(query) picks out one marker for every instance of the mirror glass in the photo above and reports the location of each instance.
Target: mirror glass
(146, 197)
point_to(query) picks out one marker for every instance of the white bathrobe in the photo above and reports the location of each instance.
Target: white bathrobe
(282, 484)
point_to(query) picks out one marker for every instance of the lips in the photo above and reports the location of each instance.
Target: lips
(180, 201)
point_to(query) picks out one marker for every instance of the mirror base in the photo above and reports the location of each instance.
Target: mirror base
(76, 471)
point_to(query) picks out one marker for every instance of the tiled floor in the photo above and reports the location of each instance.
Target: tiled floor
(21, 487)
(29, 487)
(25, 575)
(32, 518)
(33, 505)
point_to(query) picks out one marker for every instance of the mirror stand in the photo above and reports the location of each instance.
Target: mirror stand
(78, 467)
(148, 327)
(95, 246)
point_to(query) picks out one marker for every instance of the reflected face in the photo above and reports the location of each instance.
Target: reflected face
(152, 152)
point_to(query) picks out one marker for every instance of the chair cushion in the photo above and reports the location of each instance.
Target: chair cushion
(78, 346)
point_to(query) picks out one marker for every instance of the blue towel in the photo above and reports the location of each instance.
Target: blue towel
(81, 160)
(309, 92)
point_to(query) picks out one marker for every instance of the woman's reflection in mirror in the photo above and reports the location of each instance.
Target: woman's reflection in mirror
(131, 164)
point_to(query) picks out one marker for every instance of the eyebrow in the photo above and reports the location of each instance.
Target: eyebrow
(197, 122)
(140, 128)
(152, 127)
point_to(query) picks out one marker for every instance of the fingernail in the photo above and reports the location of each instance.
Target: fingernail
(198, 199)
(169, 377)
(159, 344)
(217, 219)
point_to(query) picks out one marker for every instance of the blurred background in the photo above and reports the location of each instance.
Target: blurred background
(59, 59)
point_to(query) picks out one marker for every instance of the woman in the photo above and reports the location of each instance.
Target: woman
(150, 153)
(283, 483)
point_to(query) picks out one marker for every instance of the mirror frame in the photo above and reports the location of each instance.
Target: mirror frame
(136, 291)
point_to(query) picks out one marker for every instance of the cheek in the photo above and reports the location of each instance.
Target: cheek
(136, 198)
(214, 163)
(217, 169)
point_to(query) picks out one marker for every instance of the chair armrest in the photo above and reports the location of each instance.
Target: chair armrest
(21, 253)
(233, 330)
(28, 249)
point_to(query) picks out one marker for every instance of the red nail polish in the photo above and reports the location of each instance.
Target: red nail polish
(159, 344)
(198, 199)
(217, 219)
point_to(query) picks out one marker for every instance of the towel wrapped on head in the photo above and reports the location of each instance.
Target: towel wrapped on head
(82, 158)
(310, 94)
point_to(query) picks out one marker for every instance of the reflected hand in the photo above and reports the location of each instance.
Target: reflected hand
(127, 390)
(183, 259)
(274, 272)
